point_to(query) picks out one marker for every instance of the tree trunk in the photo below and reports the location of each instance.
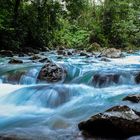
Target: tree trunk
(16, 11)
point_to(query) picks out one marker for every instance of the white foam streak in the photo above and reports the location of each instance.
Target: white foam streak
(8, 88)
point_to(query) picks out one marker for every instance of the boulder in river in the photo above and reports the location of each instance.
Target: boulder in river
(102, 80)
(51, 73)
(111, 53)
(135, 98)
(15, 61)
(117, 122)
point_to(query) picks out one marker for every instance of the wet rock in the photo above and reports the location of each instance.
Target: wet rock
(52, 73)
(119, 108)
(84, 53)
(69, 53)
(94, 47)
(135, 98)
(36, 57)
(111, 53)
(117, 122)
(100, 80)
(59, 57)
(44, 60)
(7, 137)
(104, 59)
(130, 51)
(7, 53)
(30, 54)
(30, 50)
(21, 54)
(61, 48)
(66, 52)
(15, 61)
(45, 49)
(137, 78)
(62, 52)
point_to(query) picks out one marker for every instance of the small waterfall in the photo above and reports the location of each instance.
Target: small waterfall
(72, 72)
(30, 77)
(106, 79)
(84, 78)
(23, 74)
(41, 95)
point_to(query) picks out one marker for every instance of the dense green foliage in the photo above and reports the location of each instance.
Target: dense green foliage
(73, 23)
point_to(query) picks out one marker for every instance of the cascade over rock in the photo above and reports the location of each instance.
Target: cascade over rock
(102, 80)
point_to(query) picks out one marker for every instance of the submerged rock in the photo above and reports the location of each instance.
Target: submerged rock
(111, 53)
(15, 61)
(117, 122)
(135, 98)
(13, 77)
(100, 80)
(52, 73)
(105, 59)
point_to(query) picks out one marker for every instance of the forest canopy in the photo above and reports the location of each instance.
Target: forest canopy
(69, 23)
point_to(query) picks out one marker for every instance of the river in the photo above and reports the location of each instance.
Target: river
(51, 111)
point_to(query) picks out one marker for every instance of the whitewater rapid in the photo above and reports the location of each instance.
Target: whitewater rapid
(44, 111)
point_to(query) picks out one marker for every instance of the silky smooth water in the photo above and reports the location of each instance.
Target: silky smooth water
(44, 111)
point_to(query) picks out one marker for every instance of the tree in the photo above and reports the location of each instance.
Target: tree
(117, 23)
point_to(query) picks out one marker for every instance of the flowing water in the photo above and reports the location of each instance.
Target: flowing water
(44, 111)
